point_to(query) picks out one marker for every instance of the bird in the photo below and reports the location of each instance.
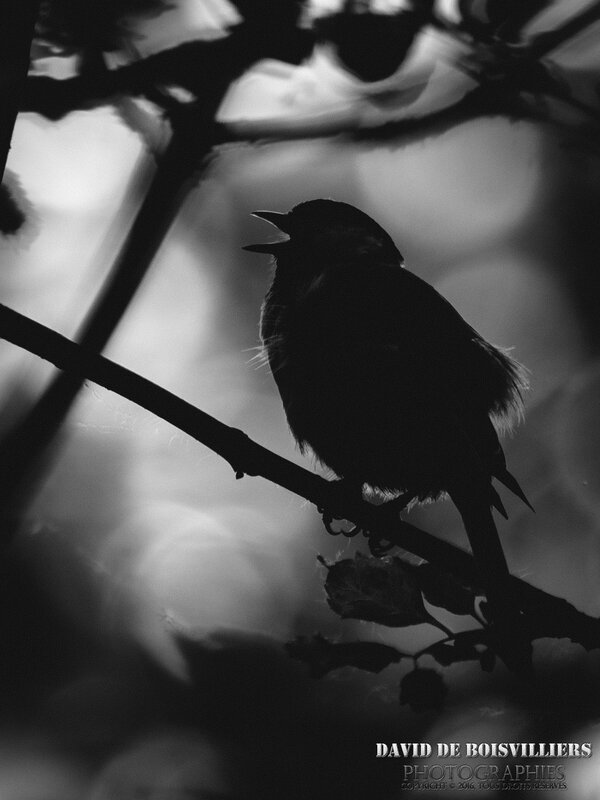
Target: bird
(382, 378)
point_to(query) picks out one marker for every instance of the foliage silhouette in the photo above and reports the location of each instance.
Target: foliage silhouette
(73, 26)
(423, 690)
(323, 656)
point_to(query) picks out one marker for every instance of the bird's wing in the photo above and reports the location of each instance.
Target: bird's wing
(462, 378)
(402, 310)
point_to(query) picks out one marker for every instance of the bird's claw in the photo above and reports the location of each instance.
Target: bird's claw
(343, 496)
(346, 494)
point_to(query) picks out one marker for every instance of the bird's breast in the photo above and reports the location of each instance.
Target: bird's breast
(339, 395)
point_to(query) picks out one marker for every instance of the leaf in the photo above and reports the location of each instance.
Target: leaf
(461, 648)
(423, 690)
(12, 217)
(323, 656)
(443, 590)
(447, 653)
(487, 659)
(375, 590)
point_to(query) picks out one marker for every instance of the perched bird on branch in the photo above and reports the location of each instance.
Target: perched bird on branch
(383, 379)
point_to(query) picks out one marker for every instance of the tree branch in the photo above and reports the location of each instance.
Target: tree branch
(204, 68)
(17, 18)
(544, 43)
(479, 102)
(546, 615)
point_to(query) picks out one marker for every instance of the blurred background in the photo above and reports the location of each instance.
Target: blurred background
(138, 535)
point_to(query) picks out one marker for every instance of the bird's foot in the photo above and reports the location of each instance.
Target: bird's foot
(343, 496)
(379, 545)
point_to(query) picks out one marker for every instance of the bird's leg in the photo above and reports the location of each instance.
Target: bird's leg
(343, 495)
(379, 545)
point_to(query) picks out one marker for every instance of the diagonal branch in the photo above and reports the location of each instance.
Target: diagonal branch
(543, 43)
(17, 19)
(546, 615)
(24, 447)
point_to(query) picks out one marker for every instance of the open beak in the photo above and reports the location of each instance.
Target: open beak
(279, 220)
(268, 247)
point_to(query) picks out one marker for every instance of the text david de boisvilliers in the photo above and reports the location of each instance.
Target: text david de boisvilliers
(485, 750)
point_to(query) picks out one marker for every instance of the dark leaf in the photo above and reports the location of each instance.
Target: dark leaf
(423, 690)
(11, 216)
(377, 590)
(443, 590)
(487, 659)
(371, 46)
(461, 648)
(446, 653)
(323, 656)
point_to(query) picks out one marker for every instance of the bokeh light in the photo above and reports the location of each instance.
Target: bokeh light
(138, 534)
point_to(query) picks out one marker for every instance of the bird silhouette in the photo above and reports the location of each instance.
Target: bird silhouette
(383, 379)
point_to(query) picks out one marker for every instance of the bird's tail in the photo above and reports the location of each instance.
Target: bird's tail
(490, 561)
(485, 544)
(505, 477)
(511, 382)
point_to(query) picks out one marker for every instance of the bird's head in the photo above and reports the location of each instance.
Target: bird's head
(327, 231)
